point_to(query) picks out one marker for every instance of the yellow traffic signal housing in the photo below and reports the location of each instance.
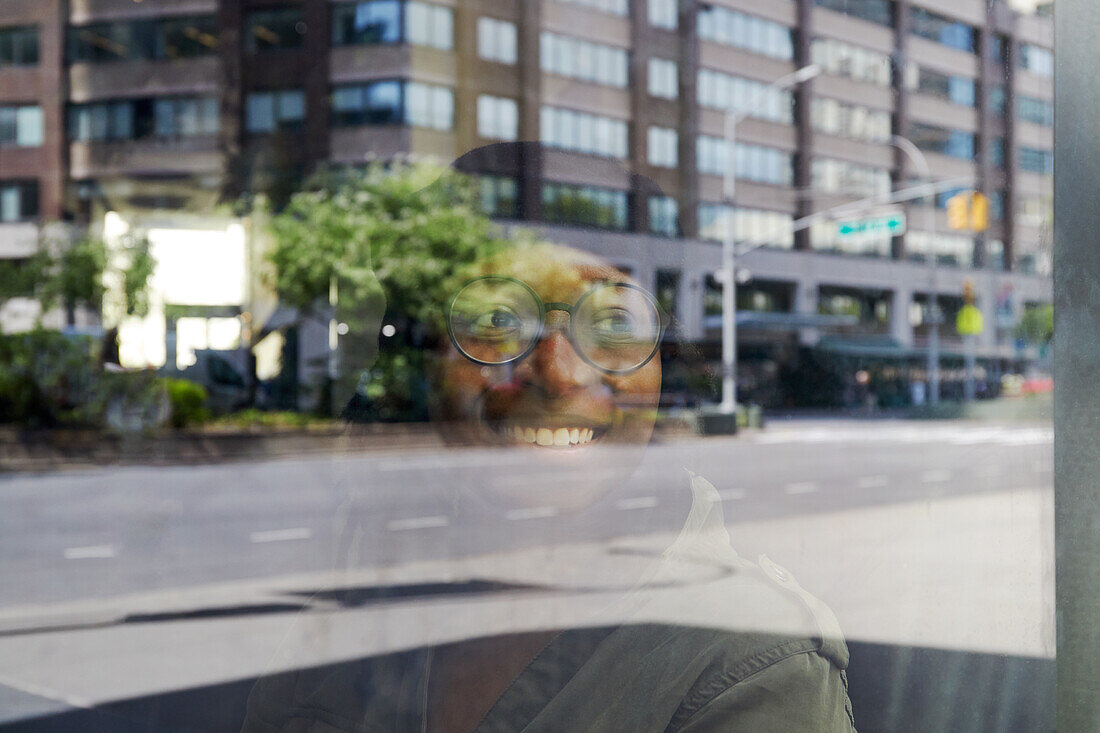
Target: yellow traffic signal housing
(979, 212)
(958, 211)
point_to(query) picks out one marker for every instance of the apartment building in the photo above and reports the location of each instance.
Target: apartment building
(176, 104)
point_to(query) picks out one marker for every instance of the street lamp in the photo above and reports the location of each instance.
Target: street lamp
(729, 246)
(917, 157)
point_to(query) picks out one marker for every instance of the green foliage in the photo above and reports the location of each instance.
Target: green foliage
(269, 419)
(47, 379)
(1036, 326)
(187, 402)
(74, 275)
(136, 273)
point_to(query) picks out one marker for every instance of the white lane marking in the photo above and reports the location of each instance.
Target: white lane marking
(802, 487)
(281, 535)
(936, 476)
(90, 552)
(403, 525)
(638, 502)
(732, 494)
(873, 482)
(49, 693)
(536, 512)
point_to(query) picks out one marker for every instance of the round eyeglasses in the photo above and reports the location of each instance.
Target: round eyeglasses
(615, 327)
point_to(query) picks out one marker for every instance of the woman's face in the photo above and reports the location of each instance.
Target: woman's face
(563, 400)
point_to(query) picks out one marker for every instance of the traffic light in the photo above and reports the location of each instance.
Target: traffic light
(958, 211)
(979, 212)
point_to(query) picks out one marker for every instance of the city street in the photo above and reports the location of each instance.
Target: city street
(928, 535)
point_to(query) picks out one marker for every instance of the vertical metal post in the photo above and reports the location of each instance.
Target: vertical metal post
(729, 271)
(333, 344)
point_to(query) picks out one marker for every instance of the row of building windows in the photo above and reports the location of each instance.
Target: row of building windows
(1034, 160)
(1039, 111)
(1037, 60)
(393, 102)
(769, 228)
(593, 62)
(663, 14)
(21, 126)
(664, 216)
(854, 62)
(583, 132)
(940, 28)
(592, 206)
(875, 11)
(274, 110)
(613, 7)
(750, 162)
(830, 175)
(743, 96)
(18, 46)
(944, 141)
(137, 119)
(952, 88)
(392, 21)
(139, 40)
(732, 28)
(850, 120)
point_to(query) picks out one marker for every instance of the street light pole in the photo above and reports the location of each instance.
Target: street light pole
(917, 157)
(729, 244)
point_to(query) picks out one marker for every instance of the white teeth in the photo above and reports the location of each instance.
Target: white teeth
(561, 437)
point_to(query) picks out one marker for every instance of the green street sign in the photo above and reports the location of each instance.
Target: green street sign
(892, 224)
(969, 322)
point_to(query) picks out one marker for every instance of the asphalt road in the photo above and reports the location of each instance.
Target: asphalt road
(107, 532)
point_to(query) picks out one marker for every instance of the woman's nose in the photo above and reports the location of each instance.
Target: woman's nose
(556, 366)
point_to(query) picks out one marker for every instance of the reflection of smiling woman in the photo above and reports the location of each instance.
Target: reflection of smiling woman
(551, 356)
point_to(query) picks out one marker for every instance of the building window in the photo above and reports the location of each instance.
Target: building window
(497, 117)
(496, 40)
(662, 146)
(21, 126)
(584, 60)
(585, 205)
(875, 11)
(757, 226)
(953, 250)
(392, 21)
(850, 120)
(662, 14)
(1039, 111)
(849, 179)
(275, 29)
(613, 7)
(19, 46)
(269, 111)
(953, 143)
(18, 201)
(854, 62)
(667, 290)
(360, 24)
(751, 98)
(997, 151)
(955, 89)
(663, 80)
(157, 40)
(429, 25)
(498, 197)
(138, 119)
(582, 132)
(941, 29)
(997, 100)
(729, 27)
(1037, 60)
(664, 216)
(996, 48)
(1033, 160)
(751, 162)
(393, 103)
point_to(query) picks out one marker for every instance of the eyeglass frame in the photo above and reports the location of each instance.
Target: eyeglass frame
(546, 308)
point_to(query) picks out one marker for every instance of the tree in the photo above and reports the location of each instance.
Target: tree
(387, 239)
(1036, 325)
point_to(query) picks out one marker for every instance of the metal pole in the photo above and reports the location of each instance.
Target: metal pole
(333, 343)
(729, 245)
(914, 154)
(729, 270)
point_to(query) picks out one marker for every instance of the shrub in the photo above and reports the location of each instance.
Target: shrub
(187, 401)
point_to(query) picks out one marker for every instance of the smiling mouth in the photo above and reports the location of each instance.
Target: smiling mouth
(544, 436)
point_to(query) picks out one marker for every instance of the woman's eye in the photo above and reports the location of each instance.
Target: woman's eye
(496, 323)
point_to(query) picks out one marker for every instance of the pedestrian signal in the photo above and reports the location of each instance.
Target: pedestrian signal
(979, 212)
(958, 211)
